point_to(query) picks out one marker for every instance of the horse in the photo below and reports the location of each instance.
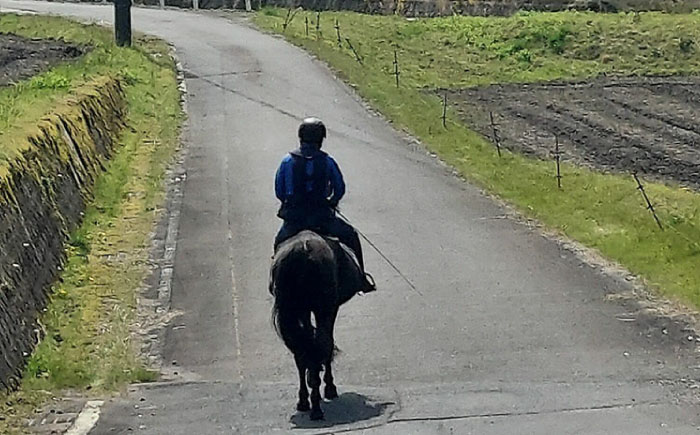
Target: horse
(311, 275)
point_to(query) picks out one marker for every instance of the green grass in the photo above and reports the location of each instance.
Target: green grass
(604, 212)
(88, 345)
(468, 51)
(25, 103)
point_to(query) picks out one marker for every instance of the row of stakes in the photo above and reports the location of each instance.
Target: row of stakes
(557, 158)
(495, 135)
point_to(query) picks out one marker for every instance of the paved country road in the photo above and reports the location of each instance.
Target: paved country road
(512, 333)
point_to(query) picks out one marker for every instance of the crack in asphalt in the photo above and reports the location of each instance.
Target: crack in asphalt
(249, 98)
(525, 413)
(272, 106)
(193, 75)
(391, 420)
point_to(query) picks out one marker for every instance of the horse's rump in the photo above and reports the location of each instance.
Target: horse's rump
(303, 281)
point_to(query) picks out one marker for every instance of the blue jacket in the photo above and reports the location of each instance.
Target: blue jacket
(330, 183)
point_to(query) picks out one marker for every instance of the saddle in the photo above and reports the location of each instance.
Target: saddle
(333, 241)
(351, 262)
(342, 248)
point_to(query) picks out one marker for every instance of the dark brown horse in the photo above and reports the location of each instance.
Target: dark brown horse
(311, 277)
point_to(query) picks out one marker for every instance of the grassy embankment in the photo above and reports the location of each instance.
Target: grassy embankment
(602, 211)
(88, 322)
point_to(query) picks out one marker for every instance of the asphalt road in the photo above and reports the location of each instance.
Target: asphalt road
(512, 333)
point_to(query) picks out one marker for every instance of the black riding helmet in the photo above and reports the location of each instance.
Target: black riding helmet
(312, 131)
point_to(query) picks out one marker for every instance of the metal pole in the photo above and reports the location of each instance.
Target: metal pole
(248, 6)
(122, 22)
(195, 4)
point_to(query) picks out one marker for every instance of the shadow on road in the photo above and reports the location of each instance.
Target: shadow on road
(347, 408)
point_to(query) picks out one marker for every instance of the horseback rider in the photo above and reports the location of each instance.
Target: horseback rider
(309, 184)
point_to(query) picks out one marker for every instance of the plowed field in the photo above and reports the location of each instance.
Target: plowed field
(648, 125)
(21, 58)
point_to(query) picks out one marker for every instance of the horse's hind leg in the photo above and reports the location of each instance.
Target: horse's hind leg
(330, 392)
(303, 403)
(314, 380)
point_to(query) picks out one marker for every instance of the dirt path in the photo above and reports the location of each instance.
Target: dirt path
(647, 125)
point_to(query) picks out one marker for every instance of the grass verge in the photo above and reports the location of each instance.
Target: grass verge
(602, 211)
(88, 345)
(22, 105)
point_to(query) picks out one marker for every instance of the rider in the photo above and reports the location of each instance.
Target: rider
(309, 184)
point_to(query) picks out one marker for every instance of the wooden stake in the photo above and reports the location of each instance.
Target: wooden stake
(557, 156)
(496, 138)
(318, 25)
(444, 110)
(286, 20)
(357, 56)
(396, 68)
(337, 31)
(650, 207)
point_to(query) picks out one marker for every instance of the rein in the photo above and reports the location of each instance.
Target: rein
(381, 254)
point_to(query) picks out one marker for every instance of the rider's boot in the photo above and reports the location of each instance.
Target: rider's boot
(368, 284)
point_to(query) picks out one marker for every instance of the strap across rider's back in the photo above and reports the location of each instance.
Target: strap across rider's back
(310, 180)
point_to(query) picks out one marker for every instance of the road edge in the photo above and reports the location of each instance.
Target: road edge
(154, 313)
(153, 301)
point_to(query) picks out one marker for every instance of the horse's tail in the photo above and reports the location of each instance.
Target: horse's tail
(303, 283)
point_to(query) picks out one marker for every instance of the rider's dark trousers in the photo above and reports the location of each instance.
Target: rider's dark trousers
(333, 226)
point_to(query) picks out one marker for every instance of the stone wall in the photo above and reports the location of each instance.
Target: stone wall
(43, 193)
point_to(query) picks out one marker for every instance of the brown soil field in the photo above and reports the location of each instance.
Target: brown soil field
(21, 58)
(649, 125)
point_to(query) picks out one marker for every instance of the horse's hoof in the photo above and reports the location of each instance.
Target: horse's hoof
(330, 392)
(303, 406)
(316, 414)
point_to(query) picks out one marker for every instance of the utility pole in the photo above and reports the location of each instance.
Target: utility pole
(195, 5)
(122, 22)
(248, 6)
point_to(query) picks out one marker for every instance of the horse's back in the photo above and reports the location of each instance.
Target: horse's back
(306, 243)
(305, 267)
